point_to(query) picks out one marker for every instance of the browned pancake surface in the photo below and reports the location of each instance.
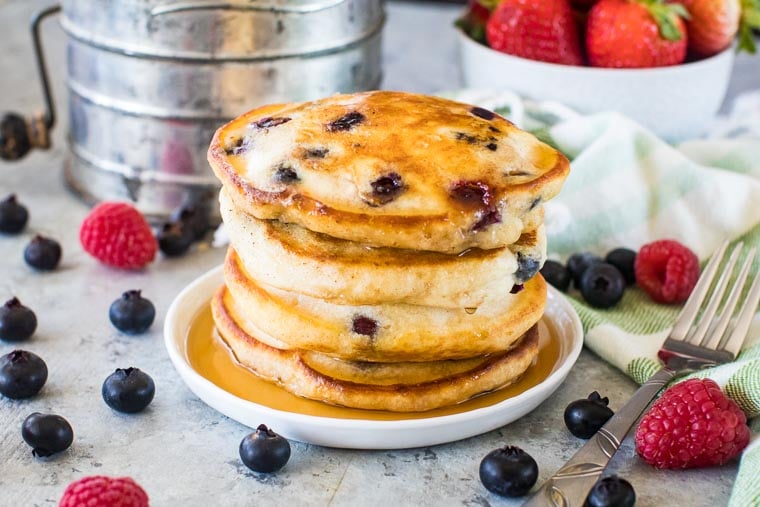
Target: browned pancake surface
(389, 169)
(385, 332)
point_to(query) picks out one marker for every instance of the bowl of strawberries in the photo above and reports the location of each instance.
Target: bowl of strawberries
(663, 63)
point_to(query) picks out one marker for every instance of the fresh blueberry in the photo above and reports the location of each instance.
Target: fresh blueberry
(17, 322)
(602, 285)
(556, 274)
(578, 263)
(264, 450)
(43, 253)
(584, 417)
(623, 259)
(128, 390)
(22, 374)
(175, 238)
(132, 313)
(611, 491)
(47, 434)
(196, 218)
(508, 471)
(13, 215)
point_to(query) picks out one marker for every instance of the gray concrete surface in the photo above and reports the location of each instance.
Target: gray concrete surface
(180, 450)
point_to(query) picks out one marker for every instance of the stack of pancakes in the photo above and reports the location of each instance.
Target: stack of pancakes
(384, 248)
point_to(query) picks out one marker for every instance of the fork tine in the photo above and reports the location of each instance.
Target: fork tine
(733, 298)
(691, 308)
(715, 298)
(744, 319)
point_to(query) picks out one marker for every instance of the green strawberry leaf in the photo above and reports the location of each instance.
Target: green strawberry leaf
(475, 31)
(750, 20)
(746, 40)
(666, 16)
(489, 4)
(680, 10)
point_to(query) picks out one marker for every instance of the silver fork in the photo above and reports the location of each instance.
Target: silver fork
(692, 345)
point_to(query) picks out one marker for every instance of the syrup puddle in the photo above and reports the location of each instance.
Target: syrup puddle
(209, 356)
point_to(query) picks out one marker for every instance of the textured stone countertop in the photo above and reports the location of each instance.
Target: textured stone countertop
(183, 452)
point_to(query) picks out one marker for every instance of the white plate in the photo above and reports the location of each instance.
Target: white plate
(361, 433)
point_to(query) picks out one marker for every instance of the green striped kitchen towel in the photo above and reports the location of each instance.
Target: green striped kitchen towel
(627, 188)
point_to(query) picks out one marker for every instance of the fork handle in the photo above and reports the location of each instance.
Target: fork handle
(570, 486)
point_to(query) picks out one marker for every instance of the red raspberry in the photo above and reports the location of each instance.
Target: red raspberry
(667, 271)
(102, 491)
(692, 425)
(117, 234)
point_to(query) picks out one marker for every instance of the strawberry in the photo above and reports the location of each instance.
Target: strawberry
(636, 33)
(543, 31)
(712, 24)
(480, 10)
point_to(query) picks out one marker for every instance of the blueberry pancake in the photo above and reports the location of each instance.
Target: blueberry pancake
(389, 169)
(294, 259)
(401, 387)
(382, 332)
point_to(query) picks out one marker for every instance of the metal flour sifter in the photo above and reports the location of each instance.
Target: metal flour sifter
(150, 80)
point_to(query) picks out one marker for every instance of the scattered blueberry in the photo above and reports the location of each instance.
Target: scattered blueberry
(556, 274)
(13, 215)
(47, 434)
(17, 322)
(128, 390)
(175, 238)
(132, 313)
(602, 285)
(623, 259)
(43, 253)
(264, 450)
(584, 417)
(578, 263)
(508, 471)
(22, 374)
(196, 218)
(611, 491)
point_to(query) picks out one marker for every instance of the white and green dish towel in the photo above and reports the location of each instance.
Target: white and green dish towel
(628, 188)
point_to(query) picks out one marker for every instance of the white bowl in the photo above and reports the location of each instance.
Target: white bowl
(677, 103)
